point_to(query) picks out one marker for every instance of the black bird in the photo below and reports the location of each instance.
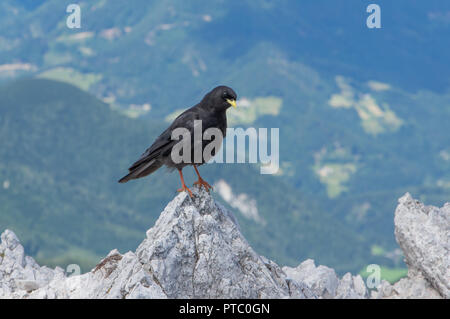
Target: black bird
(211, 111)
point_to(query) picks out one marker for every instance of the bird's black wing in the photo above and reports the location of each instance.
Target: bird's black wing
(164, 142)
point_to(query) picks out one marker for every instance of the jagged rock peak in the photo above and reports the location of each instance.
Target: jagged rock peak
(423, 233)
(196, 250)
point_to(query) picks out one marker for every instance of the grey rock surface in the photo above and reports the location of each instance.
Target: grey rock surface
(20, 274)
(423, 233)
(196, 250)
(351, 287)
(413, 287)
(325, 283)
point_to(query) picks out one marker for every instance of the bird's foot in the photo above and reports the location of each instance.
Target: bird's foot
(185, 189)
(201, 182)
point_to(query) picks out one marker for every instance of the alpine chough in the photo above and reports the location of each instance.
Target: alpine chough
(211, 111)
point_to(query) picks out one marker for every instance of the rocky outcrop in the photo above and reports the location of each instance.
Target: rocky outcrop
(195, 250)
(412, 287)
(423, 233)
(20, 273)
(325, 283)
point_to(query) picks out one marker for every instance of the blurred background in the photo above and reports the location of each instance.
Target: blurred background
(363, 117)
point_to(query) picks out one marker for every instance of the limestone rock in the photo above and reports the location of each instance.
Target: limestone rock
(196, 250)
(20, 274)
(423, 233)
(325, 283)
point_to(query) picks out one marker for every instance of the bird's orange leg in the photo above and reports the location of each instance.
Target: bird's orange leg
(201, 182)
(183, 185)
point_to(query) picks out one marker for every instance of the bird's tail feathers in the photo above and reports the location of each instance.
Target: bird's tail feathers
(142, 170)
(126, 178)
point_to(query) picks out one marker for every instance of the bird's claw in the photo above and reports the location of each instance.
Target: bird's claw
(201, 182)
(185, 189)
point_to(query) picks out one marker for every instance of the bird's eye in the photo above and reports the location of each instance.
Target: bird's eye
(225, 95)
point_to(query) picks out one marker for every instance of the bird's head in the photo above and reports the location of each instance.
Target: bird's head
(221, 98)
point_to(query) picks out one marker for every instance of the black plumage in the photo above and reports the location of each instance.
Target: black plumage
(211, 111)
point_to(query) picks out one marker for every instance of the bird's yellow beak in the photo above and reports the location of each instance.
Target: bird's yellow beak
(232, 102)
